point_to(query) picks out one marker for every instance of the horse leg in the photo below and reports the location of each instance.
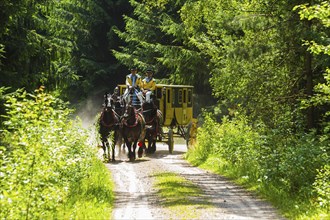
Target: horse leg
(129, 148)
(154, 139)
(149, 144)
(147, 137)
(105, 146)
(104, 149)
(121, 143)
(113, 146)
(141, 147)
(154, 144)
(108, 150)
(134, 148)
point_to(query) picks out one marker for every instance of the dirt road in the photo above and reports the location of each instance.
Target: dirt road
(137, 199)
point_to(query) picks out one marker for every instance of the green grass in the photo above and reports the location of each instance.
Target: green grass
(91, 198)
(179, 196)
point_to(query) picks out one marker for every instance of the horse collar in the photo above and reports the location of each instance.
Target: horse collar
(105, 124)
(135, 123)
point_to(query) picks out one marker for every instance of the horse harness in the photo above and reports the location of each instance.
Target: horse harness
(110, 124)
(136, 115)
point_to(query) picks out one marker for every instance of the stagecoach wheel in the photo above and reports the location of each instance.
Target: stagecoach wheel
(170, 141)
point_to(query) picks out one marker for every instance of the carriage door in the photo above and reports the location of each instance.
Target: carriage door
(184, 106)
(168, 106)
(180, 105)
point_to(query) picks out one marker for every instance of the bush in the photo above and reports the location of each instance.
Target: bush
(43, 154)
(294, 164)
(322, 187)
(291, 161)
(239, 145)
(205, 136)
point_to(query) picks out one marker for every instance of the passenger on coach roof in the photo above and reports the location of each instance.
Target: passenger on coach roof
(148, 85)
(134, 85)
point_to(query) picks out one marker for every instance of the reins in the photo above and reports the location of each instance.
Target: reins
(153, 118)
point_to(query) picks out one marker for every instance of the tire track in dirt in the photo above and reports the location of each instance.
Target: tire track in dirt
(137, 199)
(131, 200)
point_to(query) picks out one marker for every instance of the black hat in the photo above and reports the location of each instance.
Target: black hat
(134, 68)
(149, 70)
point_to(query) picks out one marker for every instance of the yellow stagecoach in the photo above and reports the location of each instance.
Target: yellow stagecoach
(176, 104)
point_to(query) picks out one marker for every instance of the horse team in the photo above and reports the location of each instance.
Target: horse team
(132, 123)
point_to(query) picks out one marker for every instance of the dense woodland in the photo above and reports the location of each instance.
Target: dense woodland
(266, 63)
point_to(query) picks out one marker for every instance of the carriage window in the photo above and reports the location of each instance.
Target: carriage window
(184, 96)
(168, 96)
(180, 96)
(189, 96)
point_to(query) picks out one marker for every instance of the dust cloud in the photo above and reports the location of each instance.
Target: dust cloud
(89, 109)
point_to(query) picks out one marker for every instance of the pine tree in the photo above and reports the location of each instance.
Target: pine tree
(155, 37)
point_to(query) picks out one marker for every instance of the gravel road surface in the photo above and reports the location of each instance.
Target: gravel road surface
(137, 199)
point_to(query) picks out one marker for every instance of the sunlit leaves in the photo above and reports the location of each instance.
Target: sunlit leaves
(320, 11)
(43, 154)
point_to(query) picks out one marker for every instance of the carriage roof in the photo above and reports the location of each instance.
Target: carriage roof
(174, 86)
(166, 85)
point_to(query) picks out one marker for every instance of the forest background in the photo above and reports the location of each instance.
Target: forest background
(265, 64)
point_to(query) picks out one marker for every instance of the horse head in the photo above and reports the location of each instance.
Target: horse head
(130, 111)
(149, 111)
(107, 102)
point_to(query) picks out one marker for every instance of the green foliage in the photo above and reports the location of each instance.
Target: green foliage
(2, 51)
(62, 45)
(322, 186)
(156, 37)
(233, 141)
(291, 166)
(44, 156)
(321, 98)
(93, 196)
(319, 11)
(205, 135)
(36, 47)
(247, 42)
(292, 162)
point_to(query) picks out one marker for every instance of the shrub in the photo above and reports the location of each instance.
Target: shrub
(205, 144)
(239, 145)
(43, 154)
(322, 186)
(294, 165)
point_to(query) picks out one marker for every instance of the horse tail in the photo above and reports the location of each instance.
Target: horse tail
(160, 117)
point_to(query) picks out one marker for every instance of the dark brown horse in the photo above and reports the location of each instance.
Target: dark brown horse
(133, 130)
(154, 122)
(118, 104)
(108, 122)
